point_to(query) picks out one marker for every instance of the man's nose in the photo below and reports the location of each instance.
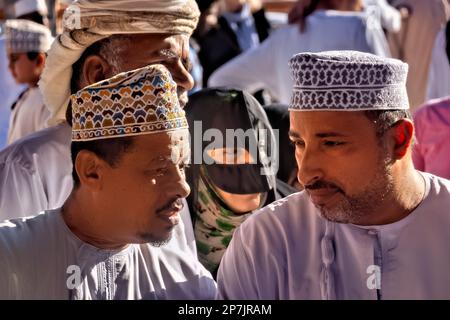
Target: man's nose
(309, 167)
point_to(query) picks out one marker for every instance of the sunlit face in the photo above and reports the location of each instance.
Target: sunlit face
(23, 69)
(170, 50)
(238, 203)
(143, 191)
(341, 163)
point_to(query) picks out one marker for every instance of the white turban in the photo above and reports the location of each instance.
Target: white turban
(26, 36)
(88, 21)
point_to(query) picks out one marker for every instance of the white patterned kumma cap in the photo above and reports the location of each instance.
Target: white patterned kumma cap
(24, 36)
(347, 81)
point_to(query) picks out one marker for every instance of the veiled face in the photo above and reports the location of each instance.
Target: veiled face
(340, 162)
(239, 203)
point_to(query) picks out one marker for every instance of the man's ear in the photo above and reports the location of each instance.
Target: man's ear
(95, 69)
(90, 169)
(40, 60)
(403, 133)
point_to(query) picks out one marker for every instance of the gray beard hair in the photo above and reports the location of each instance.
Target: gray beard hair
(153, 241)
(352, 209)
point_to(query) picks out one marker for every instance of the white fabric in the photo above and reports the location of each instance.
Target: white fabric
(40, 255)
(288, 251)
(27, 36)
(36, 175)
(390, 17)
(96, 20)
(22, 7)
(266, 67)
(29, 115)
(9, 91)
(438, 85)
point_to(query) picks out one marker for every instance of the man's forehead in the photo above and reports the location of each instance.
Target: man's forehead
(158, 42)
(329, 121)
(163, 146)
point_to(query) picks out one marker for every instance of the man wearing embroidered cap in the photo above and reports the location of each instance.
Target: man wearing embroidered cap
(367, 225)
(101, 39)
(26, 45)
(129, 147)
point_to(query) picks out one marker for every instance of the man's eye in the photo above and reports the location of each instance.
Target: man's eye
(298, 143)
(161, 171)
(329, 143)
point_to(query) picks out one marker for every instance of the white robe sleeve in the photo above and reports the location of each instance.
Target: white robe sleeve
(237, 275)
(251, 70)
(21, 190)
(438, 85)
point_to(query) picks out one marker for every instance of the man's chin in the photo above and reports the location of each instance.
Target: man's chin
(156, 241)
(335, 214)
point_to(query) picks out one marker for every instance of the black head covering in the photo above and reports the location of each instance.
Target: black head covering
(223, 109)
(278, 115)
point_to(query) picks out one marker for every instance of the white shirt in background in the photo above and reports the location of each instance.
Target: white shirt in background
(438, 85)
(266, 67)
(28, 116)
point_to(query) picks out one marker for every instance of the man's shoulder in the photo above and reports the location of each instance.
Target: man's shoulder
(284, 216)
(16, 231)
(44, 143)
(438, 187)
(27, 237)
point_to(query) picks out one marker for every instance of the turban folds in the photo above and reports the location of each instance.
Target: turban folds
(88, 21)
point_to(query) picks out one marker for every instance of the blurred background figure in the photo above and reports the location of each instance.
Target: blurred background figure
(226, 29)
(328, 25)
(237, 179)
(26, 44)
(414, 42)
(432, 121)
(34, 10)
(438, 85)
(278, 116)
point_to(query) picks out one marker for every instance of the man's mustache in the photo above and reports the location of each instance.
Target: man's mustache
(322, 184)
(174, 204)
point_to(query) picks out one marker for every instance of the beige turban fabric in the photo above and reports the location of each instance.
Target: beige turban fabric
(88, 21)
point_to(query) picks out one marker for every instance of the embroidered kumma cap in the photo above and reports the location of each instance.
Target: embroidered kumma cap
(347, 81)
(142, 101)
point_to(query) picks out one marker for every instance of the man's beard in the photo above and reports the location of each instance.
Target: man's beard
(153, 240)
(355, 208)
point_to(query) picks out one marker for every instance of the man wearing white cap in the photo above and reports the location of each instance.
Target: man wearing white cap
(34, 10)
(367, 225)
(115, 236)
(101, 39)
(26, 45)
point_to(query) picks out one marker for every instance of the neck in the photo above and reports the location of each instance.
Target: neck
(340, 5)
(33, 84)
(408, 193)
(86, 223)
